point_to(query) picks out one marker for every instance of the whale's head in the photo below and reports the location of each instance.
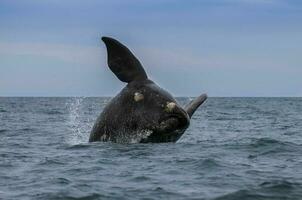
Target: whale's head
(154, 109)
(143, 105)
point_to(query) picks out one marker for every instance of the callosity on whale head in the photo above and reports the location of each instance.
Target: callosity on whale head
(142, 112)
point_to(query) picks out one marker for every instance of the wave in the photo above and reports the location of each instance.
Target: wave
(53, 112)
(262, 143)
(79, 146)
(275, 145)
(26, 129)
(263, 146)
(141, 178)
(265, 142)
(270, 190)
(49, 161)
(66, 195)
(208, 163)
(280, 185)
(60, 180)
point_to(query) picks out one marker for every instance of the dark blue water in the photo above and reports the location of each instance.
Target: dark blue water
(235, 148)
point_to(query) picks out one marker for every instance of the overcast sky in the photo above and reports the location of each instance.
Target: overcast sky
(222, 47)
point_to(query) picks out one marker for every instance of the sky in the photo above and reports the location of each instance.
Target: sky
(219, 47)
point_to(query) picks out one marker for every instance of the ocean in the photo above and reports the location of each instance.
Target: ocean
(235, 148)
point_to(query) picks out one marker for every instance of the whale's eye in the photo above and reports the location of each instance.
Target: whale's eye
(138, 96)
(170, 106)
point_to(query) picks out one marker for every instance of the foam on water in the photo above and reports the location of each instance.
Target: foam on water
(78, 129)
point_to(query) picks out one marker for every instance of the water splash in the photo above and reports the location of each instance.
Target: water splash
(78, 128)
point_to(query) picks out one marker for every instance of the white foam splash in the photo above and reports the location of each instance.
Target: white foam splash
(126, 138)
(141, 135)
(78, 130)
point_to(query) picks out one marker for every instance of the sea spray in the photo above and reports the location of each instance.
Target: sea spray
(78, 128)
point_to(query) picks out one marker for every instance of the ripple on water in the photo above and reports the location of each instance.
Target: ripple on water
(61, 181)
(51, 162)
(208, 164)
(3, 130)
(265, 142)
(46, 154)
(78, 146)
(271, 190)
(265, 146)
(53, 112)
(141, 178)
(2, 110)
(66, 195)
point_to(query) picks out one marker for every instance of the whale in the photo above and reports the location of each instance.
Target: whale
(142, 112)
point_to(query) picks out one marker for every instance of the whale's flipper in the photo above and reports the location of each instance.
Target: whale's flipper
(122, 62)
(194, 104)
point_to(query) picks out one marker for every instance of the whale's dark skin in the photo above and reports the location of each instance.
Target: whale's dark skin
(142, 112)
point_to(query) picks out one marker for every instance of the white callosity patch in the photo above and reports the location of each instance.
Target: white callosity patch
(138, 96)
(170, 106)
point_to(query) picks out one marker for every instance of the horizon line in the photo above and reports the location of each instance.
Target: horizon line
(108, 96)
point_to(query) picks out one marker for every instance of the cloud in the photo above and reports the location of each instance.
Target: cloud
(67, 53)
(187, 58)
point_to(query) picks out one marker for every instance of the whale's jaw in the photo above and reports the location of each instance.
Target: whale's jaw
(169, 130)
(161, 137)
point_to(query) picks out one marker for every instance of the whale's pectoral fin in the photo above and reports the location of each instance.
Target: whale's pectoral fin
(191, 107)
(122, 62)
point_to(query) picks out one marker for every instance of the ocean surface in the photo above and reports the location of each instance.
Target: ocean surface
(235, 148)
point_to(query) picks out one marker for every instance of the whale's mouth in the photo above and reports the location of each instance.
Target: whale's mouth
(170, 129)
(172, 123)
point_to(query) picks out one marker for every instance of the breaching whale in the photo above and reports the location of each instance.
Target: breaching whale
(142, 112)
